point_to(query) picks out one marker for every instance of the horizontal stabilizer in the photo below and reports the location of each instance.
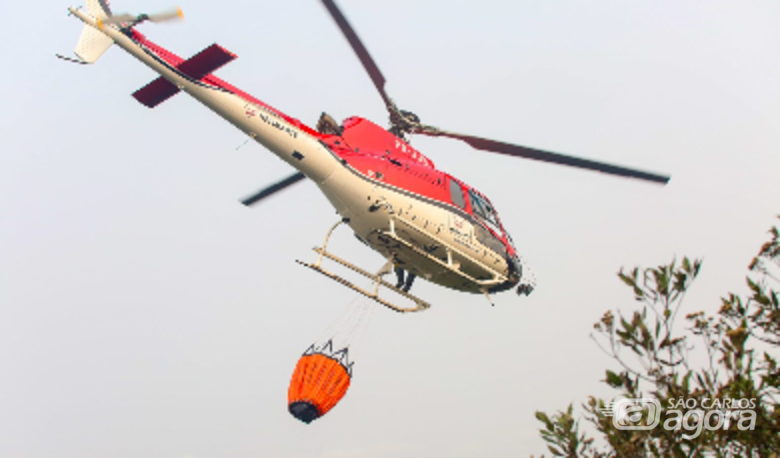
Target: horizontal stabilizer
(196, 67)
(156, 92)
(206, 61)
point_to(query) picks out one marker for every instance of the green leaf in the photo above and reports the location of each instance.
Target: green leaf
(686, 381)
(555, 451)
(626, 279)
(753, 286)
(662, 281)
(541, 416)
(614, 380)
(679, 281)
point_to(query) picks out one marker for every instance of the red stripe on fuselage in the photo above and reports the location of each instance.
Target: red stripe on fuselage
(176, 61)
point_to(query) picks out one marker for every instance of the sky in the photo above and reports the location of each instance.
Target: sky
(145, 312)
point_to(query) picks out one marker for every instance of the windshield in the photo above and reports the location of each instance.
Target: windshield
(485, 212)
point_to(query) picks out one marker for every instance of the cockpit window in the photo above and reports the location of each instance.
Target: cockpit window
(484, 211)
(486, 238)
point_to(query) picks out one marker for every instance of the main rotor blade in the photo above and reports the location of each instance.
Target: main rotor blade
(360, 50)
(274, 188)
(555, 158)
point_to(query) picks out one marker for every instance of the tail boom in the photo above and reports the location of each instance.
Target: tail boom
(288, 138)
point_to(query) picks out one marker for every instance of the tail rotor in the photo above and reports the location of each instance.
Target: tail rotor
(130, 20)
(94, 43)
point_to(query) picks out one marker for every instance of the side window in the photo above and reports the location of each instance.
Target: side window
(456, 194)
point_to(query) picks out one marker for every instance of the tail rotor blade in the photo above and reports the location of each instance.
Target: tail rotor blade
(125, 18)
(119, 19)
(169, 15)
(273, 189)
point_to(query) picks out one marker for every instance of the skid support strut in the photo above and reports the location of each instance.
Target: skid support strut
(420, 305)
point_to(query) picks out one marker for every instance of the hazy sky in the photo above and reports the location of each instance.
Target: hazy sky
(145, 312)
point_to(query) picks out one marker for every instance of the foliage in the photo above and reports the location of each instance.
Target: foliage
(738, 340)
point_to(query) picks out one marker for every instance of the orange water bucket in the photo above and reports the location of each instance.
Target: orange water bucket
(321, 378)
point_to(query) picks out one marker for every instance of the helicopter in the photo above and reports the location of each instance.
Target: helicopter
(423, 221)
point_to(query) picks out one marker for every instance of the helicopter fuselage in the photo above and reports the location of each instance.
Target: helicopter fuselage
(392, 196)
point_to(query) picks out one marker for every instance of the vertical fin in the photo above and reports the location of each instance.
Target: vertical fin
(92, 44)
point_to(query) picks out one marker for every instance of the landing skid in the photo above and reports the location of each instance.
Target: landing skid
(376, 278)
